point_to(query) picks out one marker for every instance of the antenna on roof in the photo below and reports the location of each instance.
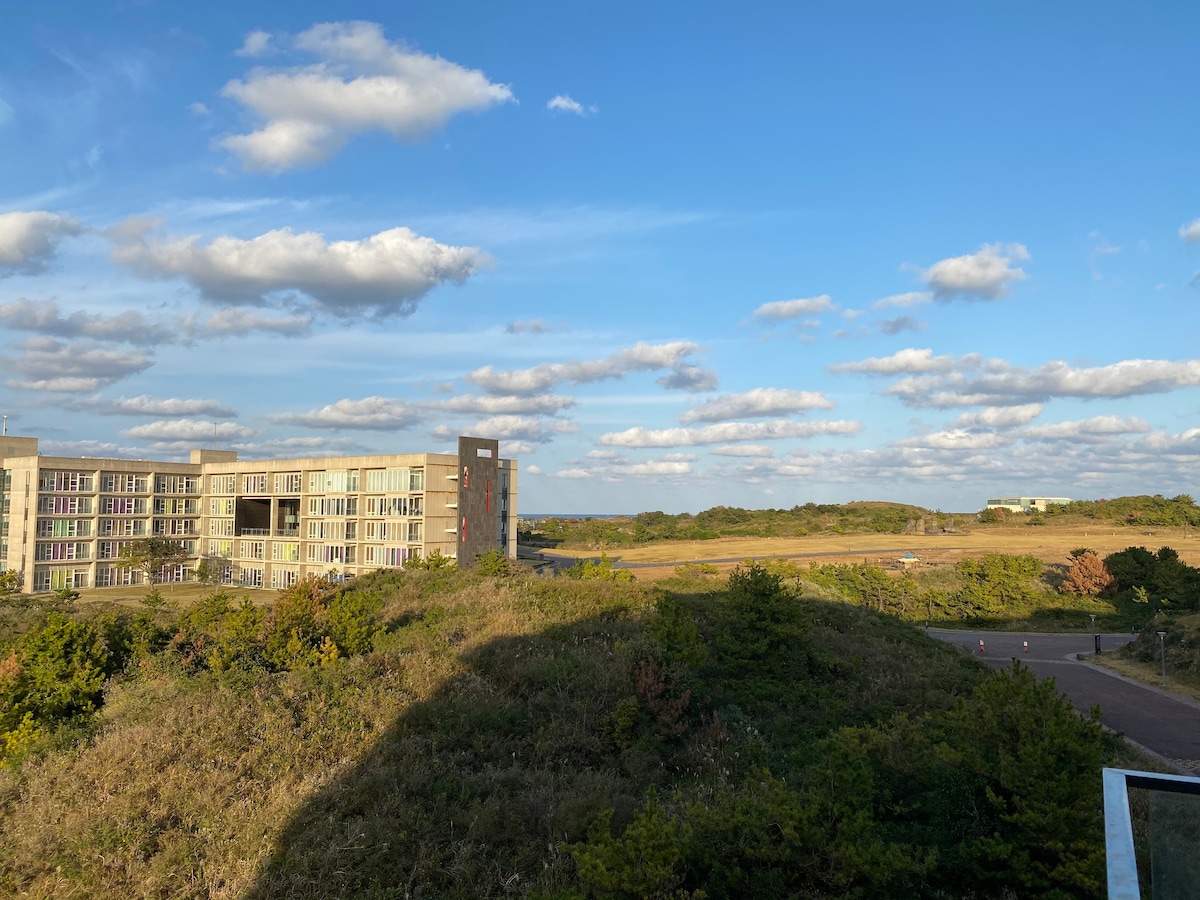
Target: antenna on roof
(5, 431)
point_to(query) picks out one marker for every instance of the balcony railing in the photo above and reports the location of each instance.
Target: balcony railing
(1173, 832)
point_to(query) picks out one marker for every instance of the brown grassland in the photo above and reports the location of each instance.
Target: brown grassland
(1050, 543)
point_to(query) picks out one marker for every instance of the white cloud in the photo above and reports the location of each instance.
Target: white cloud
(257, 43)
(688, 378)
(237, 321)
(188, 430)
(910, 360)
(368, 414)
(641, 357)
(533, 470)
(782, 310)
(29, 240)
(44, 317)
(509, 449)
(566, 103)
(55, 366)
(984, 275)
(199, 109)
(1003, 384)
(573, 473)
(532, 326)
(384, 275)
(1000, 416)
(754, 451)
(903, 301)
(519, 404)
(755, 403)
(652, 467)
(726, 432)
(145, 405)
(360, 83)
(523, 428)
(901, 323)
(1095, 427)
(1191, 231)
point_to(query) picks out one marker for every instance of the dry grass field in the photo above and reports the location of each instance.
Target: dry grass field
(1049, 543)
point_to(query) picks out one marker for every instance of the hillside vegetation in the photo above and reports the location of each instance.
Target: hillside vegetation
(445, 734)
(732, 521)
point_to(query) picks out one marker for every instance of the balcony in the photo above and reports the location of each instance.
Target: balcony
(1163, 842)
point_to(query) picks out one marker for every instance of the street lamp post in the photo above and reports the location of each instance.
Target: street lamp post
(1162, 651)
(1095, 634)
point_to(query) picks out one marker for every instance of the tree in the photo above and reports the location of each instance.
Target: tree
(10, 582)
(1087, 576)
(149, 555)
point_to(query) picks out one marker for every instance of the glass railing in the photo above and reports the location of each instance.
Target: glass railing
(1151, 836)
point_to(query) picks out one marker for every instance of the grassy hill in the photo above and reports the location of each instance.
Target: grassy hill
(457, 735)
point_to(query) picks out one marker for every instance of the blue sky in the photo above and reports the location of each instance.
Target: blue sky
(672, 255)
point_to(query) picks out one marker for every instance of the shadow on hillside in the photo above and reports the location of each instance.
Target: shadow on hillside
(480, 789)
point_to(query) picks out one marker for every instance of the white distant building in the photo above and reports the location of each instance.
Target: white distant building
(1025, 504)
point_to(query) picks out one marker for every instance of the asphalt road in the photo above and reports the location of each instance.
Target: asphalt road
(1159, 721)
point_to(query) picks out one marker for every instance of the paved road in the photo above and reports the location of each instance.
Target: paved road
(1161, 722)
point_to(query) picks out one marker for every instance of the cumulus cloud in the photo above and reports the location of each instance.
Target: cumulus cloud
(754, 451)
(641, 357)
(44, 317)
(360, 82)
(386, 274)
(518, 404)
(1003, 384)
(726, 432)
(171, 430)
(367, 414)
(688, 377)
(145, 405)
(903, 301)
(1084, 429)
(534, 470)
(29, 240)
(984, 275)
(237, 321)
(910, 360)
(523, 428)
(1000, 416)
(1191, 231)
(783, 310)
(566, 103)
(901, 323)
(47, 364)
(755, 403)
(532, 326)
(257, 43)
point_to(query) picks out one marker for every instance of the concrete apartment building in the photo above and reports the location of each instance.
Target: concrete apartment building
(1025, 504)
(262, 523)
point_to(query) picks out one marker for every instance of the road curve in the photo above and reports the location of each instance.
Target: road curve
(1161, 722)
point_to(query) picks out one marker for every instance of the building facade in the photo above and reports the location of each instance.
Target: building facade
(1025, 504)
(259, 523)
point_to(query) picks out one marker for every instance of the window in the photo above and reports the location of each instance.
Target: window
(254, 484)
(392, 480)
(285, 552)
(110, 576)
(176, 484)
(65, 506)
(223, 549)
(330, 553)
(414, 531)
(392, 506)
(64, 527)
(333, 506)
(220, 506)
(112, 483)
(252, 576)
(175, 506)
(221, 527)
(283, 578)
(386, 556)
(122, 506)
(333, 482)
(47, 550)
(75, 482)
(221, 484)
(252, 550)
(287, 483)
(131, 527)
